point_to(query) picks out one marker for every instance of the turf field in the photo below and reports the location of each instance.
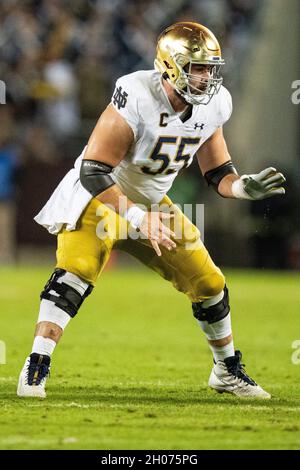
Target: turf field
(131, 370)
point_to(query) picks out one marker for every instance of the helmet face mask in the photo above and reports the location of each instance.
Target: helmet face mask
(199, 90)
(181, 46)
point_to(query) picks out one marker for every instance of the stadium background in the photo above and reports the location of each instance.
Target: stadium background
(59, 61)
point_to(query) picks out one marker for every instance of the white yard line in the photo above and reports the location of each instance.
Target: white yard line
(37, 442)
(45, 404)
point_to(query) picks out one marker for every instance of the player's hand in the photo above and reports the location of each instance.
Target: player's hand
(153, 228)
(265, 184)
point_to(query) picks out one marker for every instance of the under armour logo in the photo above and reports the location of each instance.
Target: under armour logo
(198, 125)
(120, 98)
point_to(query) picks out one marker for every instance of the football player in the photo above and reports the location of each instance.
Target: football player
(156, 122)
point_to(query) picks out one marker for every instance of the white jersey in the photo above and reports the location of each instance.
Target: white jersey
(164, 143)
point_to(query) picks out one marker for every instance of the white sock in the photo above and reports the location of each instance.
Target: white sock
(43, 346)
(221, 352)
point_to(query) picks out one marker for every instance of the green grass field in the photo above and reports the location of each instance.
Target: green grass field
(131, 369)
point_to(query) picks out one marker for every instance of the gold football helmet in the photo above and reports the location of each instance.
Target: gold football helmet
(178, 48)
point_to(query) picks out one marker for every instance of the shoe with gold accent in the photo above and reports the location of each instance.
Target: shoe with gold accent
(33, 376)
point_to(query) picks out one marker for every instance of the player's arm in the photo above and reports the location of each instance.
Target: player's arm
(216, 166)
(109, 143)
(107, 146)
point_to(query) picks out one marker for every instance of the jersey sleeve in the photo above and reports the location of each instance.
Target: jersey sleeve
(225, 107)
(124, 101)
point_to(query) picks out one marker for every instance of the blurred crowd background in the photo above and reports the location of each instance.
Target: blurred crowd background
(59, 60)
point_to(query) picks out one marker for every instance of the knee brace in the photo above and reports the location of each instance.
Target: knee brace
(66, 291)
(215, 312)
